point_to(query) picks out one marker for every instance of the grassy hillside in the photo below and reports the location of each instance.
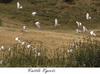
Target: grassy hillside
(67, 13)
(48, 47)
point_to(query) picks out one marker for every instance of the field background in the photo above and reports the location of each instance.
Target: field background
(12, 20)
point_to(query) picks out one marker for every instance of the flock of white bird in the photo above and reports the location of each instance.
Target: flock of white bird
(37, 23)
(80, 29)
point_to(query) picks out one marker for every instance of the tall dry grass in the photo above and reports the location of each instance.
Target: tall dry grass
(82, 53)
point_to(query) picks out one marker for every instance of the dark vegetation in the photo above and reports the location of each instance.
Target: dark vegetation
(5, 1)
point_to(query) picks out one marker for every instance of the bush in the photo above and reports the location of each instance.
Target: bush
(69, 1)
(86, 53)
(5, 1)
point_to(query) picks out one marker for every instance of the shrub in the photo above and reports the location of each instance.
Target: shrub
(69, 1)
(5, 1)
(86, 53)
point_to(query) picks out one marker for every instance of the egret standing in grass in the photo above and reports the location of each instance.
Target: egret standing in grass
(24, 29)
(17, 39)
(79, 25)
(88, 17)
(38, 54)
(56, 22)
(92, 33)
(19, 6)
(38, 24)
(34, 13)
(28, 46)
(2, 47)
(85, 29)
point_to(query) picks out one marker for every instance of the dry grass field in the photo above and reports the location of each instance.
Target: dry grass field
(50, 46)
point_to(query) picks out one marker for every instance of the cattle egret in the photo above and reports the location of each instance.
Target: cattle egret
(16, 38)
(92, 33)
(38, 53)
(19, 6)
(88, 16)
(2, 47)
(78, 23)
(56, 22)
(34, 13)
(24, 28)
(37, 24)
(28, 46)
(85, 29)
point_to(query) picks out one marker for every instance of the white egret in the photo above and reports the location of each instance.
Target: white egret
(92, 33)
(2, 47)
(56, 22)
(38, 53)
(24, 28)
(34, 13)
(88, 17)
(78, 23)
(16, 38)
(28, 46)
(85, 29)
(19, 6)
(37, 24)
